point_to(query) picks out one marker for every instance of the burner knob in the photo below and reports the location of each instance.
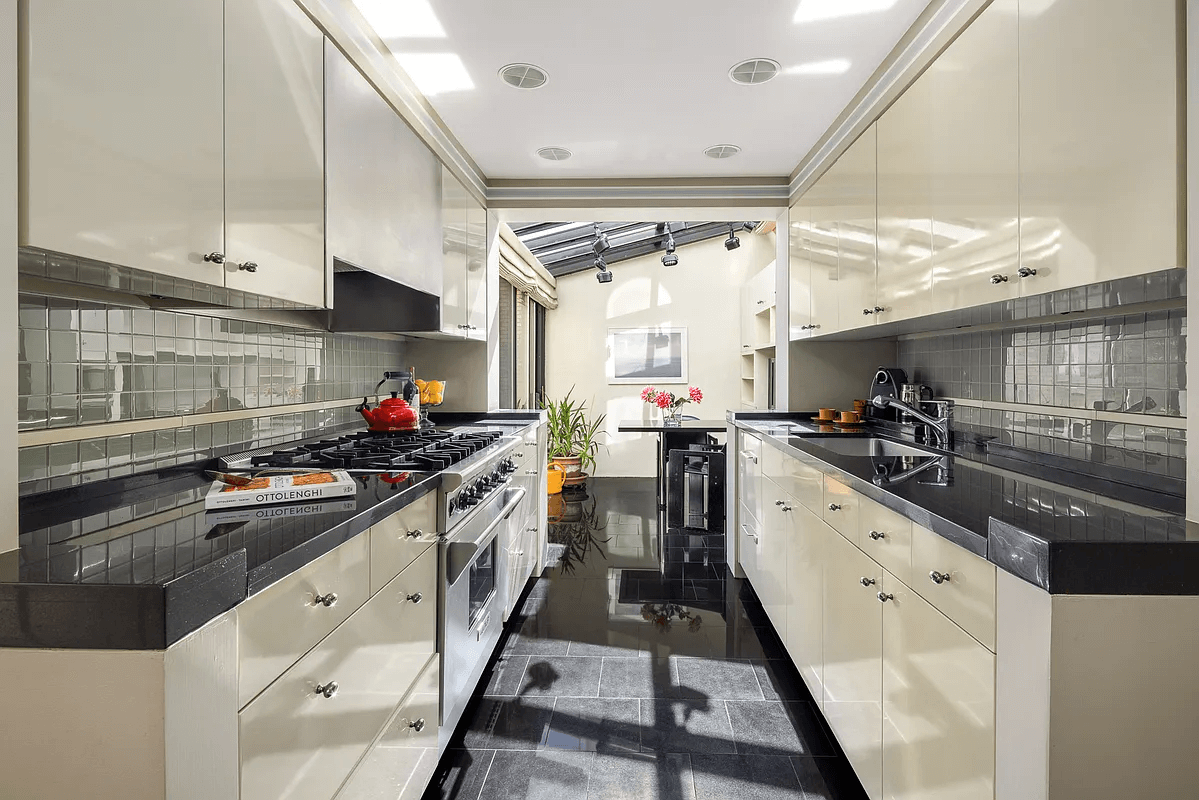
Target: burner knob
(453, 506)
(468, 499)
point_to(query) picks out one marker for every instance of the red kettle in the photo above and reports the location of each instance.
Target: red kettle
(393, 414)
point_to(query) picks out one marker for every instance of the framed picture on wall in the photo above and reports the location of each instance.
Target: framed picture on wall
(647, 355)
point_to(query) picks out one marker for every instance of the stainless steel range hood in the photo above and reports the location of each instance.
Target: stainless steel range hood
(364, 302)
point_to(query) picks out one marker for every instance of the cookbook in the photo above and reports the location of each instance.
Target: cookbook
(273, 489)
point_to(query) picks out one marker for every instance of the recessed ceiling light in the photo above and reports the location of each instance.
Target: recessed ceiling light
(722, 151)
(436, 73)
(820, 10)
(524, 76)
(834, 66)
(401, 19)
(753, 71)
(554, 153)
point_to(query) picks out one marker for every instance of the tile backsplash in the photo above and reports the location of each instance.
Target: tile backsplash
(1132, 364)
(86, 363)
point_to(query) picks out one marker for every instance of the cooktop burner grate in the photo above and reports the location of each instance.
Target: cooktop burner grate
(406, 450)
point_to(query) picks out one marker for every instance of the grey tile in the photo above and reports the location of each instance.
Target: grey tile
(594, 649)
(746, 777)
(460, 775)
(529, 641)
(501, 724)
(686, 726)
(506, 676)
(544, 775)
(780, 680)
(595, 724)
(643, 776)
(774, 728)
(646, 678)
(562, 676)
(716, 679)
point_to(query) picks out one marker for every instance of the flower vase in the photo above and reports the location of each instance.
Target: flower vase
(672, 417)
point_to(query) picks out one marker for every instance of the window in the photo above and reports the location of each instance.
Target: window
(507, 307)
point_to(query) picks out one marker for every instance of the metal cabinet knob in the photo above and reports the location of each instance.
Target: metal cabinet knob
(786, 508)
(416, 598)
(761, 302)
(530, 472)
(868, 581)
(417, 726)
(879, 309)
(327, 600)
(884, 597)
(876, 535)
(1026, 272)
(416, 534)
(834, 507)
(867, 311)
(214, 258)
(938, 577)
(326, 690)
(532, 530)
(998, 279)
(779, 502)
(248, 266)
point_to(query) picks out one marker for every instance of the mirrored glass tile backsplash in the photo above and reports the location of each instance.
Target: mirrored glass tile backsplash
(84, 364)
(1133, 364)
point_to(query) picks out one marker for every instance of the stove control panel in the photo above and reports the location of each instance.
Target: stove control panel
(471, 494)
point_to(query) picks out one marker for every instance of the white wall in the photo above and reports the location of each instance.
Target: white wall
(702, 294)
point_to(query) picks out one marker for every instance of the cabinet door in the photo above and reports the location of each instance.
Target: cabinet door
(822, 254)
(476, 268)
(122, 145)
(779, 514)
(275, 150)
(1099, 140)
(974, 162)
(749, 477)
(938, 704)
(904, 205)
(856, 174)
(397, 540)
(455, 302)
(749, 543)
(853, 643)
(747, 320)
(804, 636)
(800, 272)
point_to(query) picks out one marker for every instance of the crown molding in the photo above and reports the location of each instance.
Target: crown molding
(770, 192)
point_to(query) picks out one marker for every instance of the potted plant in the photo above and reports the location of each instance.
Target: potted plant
(573, 437)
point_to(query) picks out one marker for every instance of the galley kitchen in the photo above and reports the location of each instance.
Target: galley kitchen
(435, 400)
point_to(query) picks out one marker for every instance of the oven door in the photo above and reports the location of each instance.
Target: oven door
(473, 560)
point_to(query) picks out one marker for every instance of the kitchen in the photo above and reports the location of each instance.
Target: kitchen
(236, 228)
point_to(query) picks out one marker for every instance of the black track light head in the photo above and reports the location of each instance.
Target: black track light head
(601, 241)
(600, 264)
(670, 259)
(604, 277)
(732, 243)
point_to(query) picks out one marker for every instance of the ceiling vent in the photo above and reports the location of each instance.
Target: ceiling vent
(554, 153)
(527, 76)
(722, 151)
(754, 71)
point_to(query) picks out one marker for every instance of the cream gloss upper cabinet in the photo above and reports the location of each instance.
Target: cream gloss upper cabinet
(855, 185)
(476, 268)
(274, 151)
(974, 162)
(822, 256)
(457, 286)
(1099, 144)
(122, 128)
(904, 207)
(383, 186)
(799, 270)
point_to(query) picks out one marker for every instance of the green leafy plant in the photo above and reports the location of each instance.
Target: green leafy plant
(571, 432)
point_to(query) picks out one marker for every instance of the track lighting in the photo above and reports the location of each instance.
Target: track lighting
(732, 243)
(604, 277)
(601, 241)
(600, 264)
(670, 259)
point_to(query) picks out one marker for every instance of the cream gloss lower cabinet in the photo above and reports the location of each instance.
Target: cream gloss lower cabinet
(772, 564)
(853, 658)
(806, 544)
(302, 736)
(938, 684)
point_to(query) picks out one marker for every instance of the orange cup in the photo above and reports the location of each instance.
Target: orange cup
(859, 406)
(829, 414)
(849, 416)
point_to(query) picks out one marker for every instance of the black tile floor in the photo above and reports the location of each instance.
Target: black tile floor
(637, 667)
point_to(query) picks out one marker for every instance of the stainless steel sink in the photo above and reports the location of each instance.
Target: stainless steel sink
(867, 446)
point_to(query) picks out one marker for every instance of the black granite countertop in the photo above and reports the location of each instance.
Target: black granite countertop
(636, 425)
(1068, 532)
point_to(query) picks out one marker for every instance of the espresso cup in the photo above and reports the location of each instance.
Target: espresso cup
(849, 416)
(859, 406)
(828, 413)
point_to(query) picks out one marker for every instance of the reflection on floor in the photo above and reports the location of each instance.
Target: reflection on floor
(636, 668)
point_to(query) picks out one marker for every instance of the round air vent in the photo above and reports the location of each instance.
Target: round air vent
(554, 153)
(753, 71)
(722, 151)
(524, 76)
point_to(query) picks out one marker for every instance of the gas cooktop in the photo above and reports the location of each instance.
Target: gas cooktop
(428, 450)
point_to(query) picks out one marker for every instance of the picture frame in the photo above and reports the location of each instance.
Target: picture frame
(646, 355)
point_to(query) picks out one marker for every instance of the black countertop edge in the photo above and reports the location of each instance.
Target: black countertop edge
(499, 415)
(284, 564)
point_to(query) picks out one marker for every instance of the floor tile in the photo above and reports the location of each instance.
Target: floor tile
(780, 680)
(544, 775)
(562, 676)
(828, 779)
(517, 724)
(460, 775)
(717, 680)
(595, 724)
(506, 676)
(746, 777)
(778, 729)
(686, 726)
(530, 640)
(641, 776)
(646, 678)
(629, 650)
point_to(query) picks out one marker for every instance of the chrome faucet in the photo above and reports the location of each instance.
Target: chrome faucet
(940, 427)
(940, 467)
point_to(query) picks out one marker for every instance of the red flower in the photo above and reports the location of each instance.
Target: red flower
(696, 395)
(663, 400)
(647, 394)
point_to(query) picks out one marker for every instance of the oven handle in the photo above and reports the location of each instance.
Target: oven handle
(461, 554)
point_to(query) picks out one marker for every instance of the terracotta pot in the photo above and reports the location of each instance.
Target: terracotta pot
(571, 465)
(574, 479)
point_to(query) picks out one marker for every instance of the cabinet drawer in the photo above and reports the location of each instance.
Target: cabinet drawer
(841, 509)
(802, 482)
(296, 742)
(886, 537)
(966, 591)
(401, 764)
(748, 544)
(398, 540)
(749, 475)
(282, 622)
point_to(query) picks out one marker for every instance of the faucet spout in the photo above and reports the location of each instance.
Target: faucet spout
(940, 427)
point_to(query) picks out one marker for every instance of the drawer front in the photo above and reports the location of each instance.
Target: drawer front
(282, 622)
(749, 475)
(748, 545)
(398, 540)
(802, 482)
(403, 760)
(958, 583)
(841, 509)
(298, 744)
(886, 537)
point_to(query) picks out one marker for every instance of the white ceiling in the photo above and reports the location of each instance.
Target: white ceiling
(638, 88)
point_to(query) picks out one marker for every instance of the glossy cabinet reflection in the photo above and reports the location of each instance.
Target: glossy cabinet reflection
(806, 546)
(476, 268)
(938, 704)
(1099, 175)
(776, 534)
(122, 153)
(973, 163)
(455, 300)
(854, 185)
(800, 272)
(275, 151)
